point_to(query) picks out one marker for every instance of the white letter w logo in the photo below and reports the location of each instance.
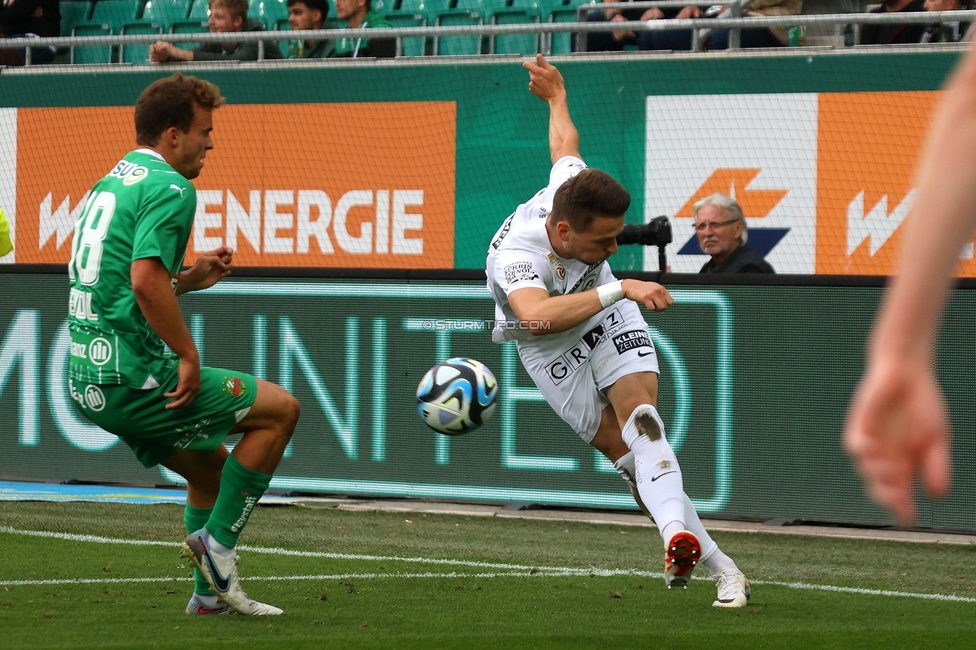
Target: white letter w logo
(876, 225)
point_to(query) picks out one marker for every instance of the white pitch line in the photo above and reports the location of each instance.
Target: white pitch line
(511, 570)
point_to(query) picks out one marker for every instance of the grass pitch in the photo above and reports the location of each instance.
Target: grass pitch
(111, 576)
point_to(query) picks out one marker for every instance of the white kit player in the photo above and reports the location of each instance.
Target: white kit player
(584, 342)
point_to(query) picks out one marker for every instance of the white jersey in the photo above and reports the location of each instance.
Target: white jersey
(520, 256)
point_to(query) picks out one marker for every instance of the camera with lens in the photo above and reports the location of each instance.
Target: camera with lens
(656, 232)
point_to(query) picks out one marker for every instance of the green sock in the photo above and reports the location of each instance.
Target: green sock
(240, 489)
(195, 519)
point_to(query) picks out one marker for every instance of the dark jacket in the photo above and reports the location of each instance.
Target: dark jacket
(743, 259)
(242, 51)
(19, 18)
(894, 33)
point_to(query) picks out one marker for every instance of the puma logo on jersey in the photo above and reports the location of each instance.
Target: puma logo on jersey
(177, 188)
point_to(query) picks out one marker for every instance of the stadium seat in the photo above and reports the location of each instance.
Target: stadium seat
(115, 13)
(410, 13)
(519, 12)
(73, 13)
(465, 12)
(86, 54)
(562, 43)
(268, 11)
(138, 53)
(196, 20)
(282, 25)
(165, 12)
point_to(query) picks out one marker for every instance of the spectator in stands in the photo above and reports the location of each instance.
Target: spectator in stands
(759, 36)
(894, 33)
(225, 16)
(951, 32)
(615, 41)
(719, 39)
(20, 18)
(309, 14)
(722, 234)
(360, 14)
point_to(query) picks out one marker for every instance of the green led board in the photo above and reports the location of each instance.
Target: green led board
(755, 385)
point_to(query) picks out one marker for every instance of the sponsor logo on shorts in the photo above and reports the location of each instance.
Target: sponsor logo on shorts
(100, 351)
(520, 272)
(631, 340)
(234, 385)
(567, 363)
(94, 398)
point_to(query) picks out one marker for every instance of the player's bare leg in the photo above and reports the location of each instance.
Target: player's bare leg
(733, 588)
(245, 475)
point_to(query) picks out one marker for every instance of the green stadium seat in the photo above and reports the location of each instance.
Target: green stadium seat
(410, 13)
(115, 13)
(465, 12)
(268, 11)
(88, 54)
(139, 53)
(562, 43)
(519, 12)
(73, 13)
(196, 20)
(282, 25)
(165, 12)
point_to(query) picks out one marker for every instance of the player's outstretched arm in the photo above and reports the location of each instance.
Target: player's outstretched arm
(546, 82)
(207, 271)
(545, 314)
(157, 300)
(898, 428)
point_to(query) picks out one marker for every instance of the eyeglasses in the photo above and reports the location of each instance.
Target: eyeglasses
(716, 225)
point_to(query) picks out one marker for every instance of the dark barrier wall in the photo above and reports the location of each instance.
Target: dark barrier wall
(755, 385)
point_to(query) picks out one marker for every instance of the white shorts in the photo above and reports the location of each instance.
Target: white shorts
(572, 369)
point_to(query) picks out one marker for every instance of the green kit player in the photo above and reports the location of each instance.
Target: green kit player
(125, 273)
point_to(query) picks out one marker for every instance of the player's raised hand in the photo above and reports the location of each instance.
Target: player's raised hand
(545, 81)
(650, 294)
(897, 428)
(208, 270)
(188, 386)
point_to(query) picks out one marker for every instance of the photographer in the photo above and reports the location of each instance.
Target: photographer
(722, 234)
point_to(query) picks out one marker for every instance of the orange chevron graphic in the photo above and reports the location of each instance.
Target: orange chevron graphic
(733, 182)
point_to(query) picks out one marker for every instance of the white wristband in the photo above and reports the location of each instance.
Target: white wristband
(610, 293)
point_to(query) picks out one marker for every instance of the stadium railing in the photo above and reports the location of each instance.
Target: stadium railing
(497, 29)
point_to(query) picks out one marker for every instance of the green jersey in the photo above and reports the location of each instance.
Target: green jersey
(143, 209)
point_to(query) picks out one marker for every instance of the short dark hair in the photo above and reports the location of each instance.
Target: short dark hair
(314, 5)
(169, 102)
(590, 194)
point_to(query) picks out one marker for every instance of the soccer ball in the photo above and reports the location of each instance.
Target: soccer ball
(457, 396)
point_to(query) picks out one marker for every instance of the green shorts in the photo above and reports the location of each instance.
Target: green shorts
(140, 419)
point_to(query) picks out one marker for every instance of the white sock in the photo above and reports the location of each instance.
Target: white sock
(657, 474)
(712, 556)
(217, 547)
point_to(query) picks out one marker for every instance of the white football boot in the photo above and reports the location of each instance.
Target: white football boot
(221, 572)
(733, 589)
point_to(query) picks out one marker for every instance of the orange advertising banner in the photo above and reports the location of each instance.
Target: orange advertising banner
(337, 185)
(868, 147)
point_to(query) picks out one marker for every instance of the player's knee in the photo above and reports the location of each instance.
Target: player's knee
(291, 410)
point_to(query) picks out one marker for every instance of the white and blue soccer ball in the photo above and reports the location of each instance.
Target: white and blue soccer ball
(457, 396)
